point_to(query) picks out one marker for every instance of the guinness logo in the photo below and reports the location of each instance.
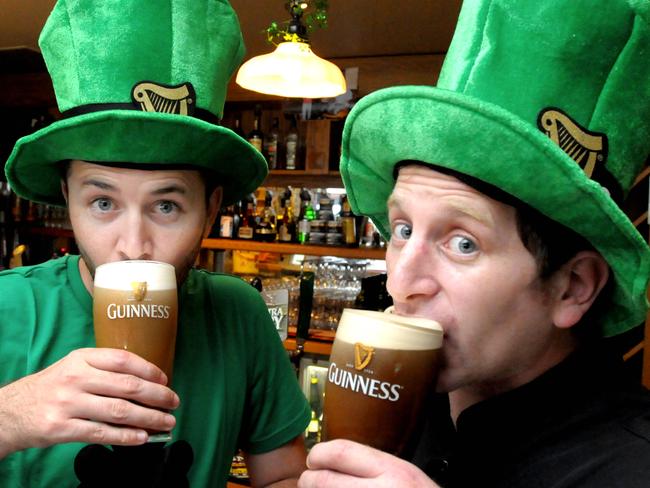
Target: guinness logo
(362, 355)
(584, 147)
(154, 97)
(139, 290)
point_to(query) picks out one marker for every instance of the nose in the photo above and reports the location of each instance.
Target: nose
(411, 271)
(135, 239)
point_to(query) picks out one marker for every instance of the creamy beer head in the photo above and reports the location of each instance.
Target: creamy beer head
(382, 369)
(388, 330)
(120, 275)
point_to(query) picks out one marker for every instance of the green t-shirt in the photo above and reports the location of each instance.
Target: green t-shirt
(231, 372)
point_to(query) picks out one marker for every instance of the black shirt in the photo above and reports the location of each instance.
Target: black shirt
(581, 424)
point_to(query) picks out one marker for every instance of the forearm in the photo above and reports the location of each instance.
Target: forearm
(10, 420)
(278, 468)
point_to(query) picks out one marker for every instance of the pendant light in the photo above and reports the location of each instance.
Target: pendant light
(292, 70)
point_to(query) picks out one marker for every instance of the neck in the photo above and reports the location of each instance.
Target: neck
(464, 397)
(86, 277)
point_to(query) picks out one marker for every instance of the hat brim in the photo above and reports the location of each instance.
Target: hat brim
(462, 133)
(126, 136)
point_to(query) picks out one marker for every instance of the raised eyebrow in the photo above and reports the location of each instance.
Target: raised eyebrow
(165, 190)
(475, 214)
(102, 185)
(393, 202)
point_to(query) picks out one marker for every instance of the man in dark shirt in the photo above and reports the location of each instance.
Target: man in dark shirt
(499, 192)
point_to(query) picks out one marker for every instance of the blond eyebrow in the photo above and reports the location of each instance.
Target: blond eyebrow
(457, 205)
(474, 213)
(393, 202)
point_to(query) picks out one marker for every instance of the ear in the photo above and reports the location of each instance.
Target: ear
(213, 208)
(578, 283)
(64, 190)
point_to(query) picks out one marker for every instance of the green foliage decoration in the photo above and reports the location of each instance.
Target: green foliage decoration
(314, 16)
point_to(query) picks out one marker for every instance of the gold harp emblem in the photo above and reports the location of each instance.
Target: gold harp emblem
(152, 97)
(139, 290)
(584, 147)
(362, 355)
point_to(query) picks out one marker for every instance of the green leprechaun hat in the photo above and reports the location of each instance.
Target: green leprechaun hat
(549, 101)
(138, 82)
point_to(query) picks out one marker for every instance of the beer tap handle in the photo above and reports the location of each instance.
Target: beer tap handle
(304, 314)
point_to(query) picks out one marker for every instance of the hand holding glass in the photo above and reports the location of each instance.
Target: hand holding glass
(382, 368)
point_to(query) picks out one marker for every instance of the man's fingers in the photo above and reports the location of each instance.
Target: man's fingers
(348, 457)
(331, 479)
(118, 411)
(121, 361)
(346, 464)
(120, 385)
(99, 433)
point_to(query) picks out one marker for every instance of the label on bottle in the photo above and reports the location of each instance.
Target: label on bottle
(291, 154)
(303, 231)
(272, 153)
(256, 142)
(284, 234)
(245, 233)
(225, 226)
(349, 230)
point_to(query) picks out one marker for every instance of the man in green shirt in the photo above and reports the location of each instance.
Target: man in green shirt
(143, 168)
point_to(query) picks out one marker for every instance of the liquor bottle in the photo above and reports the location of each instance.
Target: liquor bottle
(266, 230)
(226, 223)
(279, 213)
(238, 469)
(271, 144)
(247, 224)
(287, 229)
(256, 136)
(313, 429)
(237, 129)
(348, 224)
(236, 218)
(307, 214)
(291, 144)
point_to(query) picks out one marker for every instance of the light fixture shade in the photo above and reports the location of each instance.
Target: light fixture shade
(292, 70)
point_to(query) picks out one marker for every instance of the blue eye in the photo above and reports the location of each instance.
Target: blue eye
(402, 231)
(463, 245)
(167, 207)
(103, 204)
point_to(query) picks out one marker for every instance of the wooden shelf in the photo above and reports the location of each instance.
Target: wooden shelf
(242, 245)
(342, 252)
(302, 178)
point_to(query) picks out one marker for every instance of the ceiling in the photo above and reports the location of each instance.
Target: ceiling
(356, 27)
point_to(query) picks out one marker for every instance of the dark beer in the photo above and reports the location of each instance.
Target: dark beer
(146, 328)
(382, 368)
(135, 308)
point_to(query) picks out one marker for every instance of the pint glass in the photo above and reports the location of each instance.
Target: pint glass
(382, 368)
(135, 309)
